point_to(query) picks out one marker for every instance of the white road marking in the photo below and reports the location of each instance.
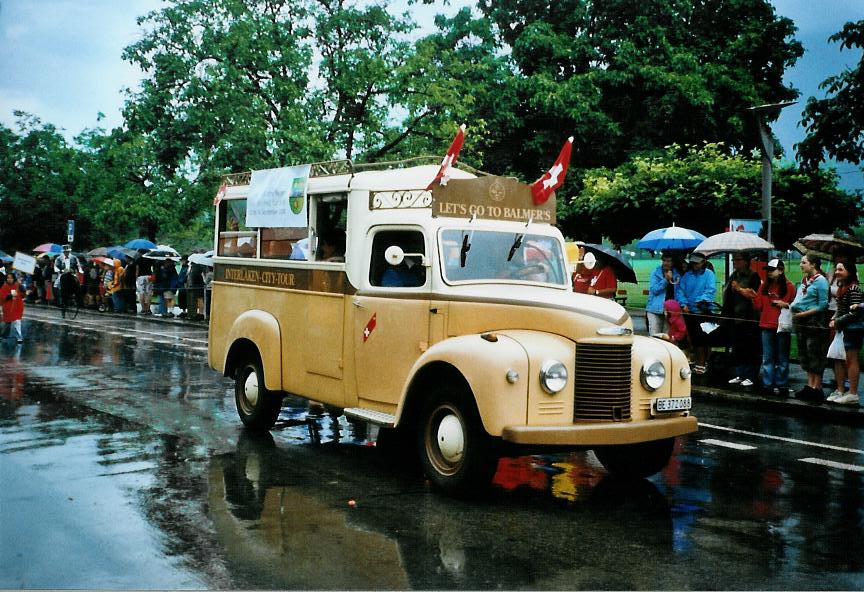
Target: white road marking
(832, 464)
(724, 444)
(781, 439)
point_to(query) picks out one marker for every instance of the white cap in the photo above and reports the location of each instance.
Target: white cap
(774, 263)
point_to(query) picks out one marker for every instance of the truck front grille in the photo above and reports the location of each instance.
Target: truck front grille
(602, 382)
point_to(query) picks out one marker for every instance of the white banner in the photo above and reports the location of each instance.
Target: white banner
(277, 198)
(24, 262)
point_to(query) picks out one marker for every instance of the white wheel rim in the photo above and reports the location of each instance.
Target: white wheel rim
(250, 388)
(451, 439)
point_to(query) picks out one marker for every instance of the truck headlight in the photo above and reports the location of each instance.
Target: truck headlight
(553, 376)
(653, 374)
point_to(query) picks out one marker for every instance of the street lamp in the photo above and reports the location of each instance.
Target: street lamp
(766, 147)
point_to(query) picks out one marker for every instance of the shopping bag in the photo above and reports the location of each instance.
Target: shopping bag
(784, 322)
(836, 351)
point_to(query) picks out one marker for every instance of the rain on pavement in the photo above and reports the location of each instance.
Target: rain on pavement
(123, 466)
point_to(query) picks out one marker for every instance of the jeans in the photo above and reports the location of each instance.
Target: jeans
(118, 301)
(13, 327)
(775, 358)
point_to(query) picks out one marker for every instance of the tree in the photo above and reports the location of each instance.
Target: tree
(835, 124)
(683, 184)
(40, 176)
(626, 76)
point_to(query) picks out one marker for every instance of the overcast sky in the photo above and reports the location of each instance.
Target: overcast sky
(60, 60)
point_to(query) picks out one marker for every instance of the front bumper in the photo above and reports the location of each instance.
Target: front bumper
(601, 434)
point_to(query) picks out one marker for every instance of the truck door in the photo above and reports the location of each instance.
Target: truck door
(391, 318)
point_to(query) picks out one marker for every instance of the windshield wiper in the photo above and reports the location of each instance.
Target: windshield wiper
(517, 242)
(515, 246)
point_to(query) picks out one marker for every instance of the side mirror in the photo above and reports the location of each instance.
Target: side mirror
(394, 255)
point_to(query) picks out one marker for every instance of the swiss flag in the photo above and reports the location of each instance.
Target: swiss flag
(370, 326)
(552, 179)
(452, 154)
(220, 195)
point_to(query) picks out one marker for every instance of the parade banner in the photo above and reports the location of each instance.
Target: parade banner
(24, 262)
(277, 198)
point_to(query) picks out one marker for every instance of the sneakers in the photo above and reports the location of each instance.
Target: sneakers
(699, 369)
(746, 383)
(847, 399)
(832, 398)
(737, 380)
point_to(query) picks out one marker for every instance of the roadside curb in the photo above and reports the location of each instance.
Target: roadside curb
(119, 315)
(850, 414)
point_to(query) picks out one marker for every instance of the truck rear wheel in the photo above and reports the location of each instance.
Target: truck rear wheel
(257, 406)
(456, 452)
(636, 461)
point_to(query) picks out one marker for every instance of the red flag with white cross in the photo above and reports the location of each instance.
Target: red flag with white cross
(552, 179)
(452, 154)
(370, 326)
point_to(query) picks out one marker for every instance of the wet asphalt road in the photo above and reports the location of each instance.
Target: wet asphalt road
(123, 465)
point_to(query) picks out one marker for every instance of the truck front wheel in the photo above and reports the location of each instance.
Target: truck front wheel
(636, 461)
(456, 452)
(257, 406)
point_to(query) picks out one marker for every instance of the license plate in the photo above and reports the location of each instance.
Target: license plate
(664, 404)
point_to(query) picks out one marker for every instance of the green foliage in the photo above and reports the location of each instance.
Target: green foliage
(702, 188)
(835, 125)
(39, 176)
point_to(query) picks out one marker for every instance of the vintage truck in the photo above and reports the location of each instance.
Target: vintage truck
(443, 315)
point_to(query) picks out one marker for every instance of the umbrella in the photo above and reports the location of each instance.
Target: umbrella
(202, 258)
(163, 252)
(140, 243)
(671, 238)
(98, 252)
(6, 257)
(105, 260)
(121, 253)
(733, 242)
(623, 270)
(48, 248)
(830, 246)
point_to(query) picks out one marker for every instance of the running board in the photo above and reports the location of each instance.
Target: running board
(380, 418)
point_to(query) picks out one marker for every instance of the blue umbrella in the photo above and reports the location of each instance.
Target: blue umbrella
(6, 258)
(670, 239)
(140, 243)
(117, 252)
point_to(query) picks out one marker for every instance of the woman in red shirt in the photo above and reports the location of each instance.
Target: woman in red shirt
(12, 301)
(775, 294)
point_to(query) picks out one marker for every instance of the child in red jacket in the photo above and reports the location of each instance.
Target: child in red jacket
(12, 301)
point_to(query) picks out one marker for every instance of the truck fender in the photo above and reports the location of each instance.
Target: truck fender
(259, 330)
(481, 364)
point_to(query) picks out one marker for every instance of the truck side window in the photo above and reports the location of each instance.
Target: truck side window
(408, 274)
(235, 239)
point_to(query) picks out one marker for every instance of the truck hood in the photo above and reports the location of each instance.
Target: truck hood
(534, 296)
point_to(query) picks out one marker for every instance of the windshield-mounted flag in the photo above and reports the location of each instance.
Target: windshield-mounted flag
(552, 179)
(452, 154)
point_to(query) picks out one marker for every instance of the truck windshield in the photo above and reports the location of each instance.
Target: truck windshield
(536, 258)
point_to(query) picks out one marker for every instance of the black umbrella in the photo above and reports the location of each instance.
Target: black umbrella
(831, 246)
(623, 271)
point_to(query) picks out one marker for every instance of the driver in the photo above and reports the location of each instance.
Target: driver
(66, 262)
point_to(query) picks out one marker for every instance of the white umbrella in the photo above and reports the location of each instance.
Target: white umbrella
(202, 258)
(733, 242)
(163, 252)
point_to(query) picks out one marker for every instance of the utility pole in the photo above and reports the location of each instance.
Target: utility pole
(766, 147)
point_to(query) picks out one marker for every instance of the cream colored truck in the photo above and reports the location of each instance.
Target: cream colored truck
(450, 318)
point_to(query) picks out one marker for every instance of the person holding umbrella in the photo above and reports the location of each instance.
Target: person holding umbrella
(849, 319)
(738, 296)
(697, 289)
(663, 285)
(604, 282)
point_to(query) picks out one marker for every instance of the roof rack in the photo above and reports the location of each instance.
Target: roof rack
(331, 168)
